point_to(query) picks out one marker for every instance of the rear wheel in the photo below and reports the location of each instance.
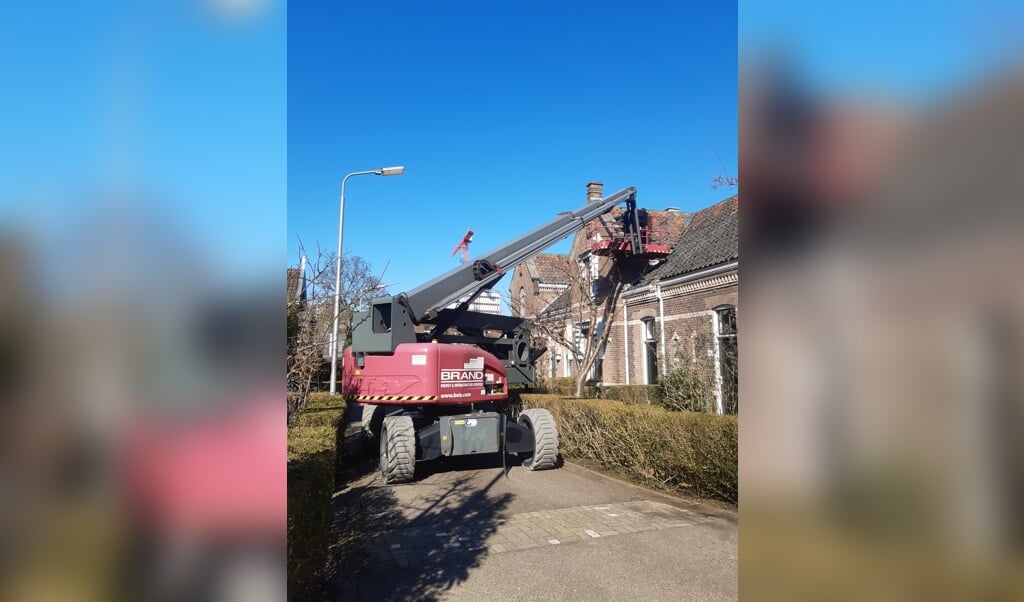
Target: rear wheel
(372, 427)
(545, 439)
(397, 449)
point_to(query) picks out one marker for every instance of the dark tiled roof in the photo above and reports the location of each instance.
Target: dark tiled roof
(675, 222)
(551, 268)
(561, 303)
(710, 237)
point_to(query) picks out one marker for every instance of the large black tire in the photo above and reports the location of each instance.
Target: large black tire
(398, 449)
(545, 439)
(372, 428)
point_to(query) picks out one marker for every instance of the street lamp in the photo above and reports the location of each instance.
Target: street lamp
(381, 171)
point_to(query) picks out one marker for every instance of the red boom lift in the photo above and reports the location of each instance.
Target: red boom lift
(433, 368)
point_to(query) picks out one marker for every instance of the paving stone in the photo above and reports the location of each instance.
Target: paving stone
(415, 546)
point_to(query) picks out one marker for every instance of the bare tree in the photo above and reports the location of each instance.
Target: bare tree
(579, 319)
(311, 315)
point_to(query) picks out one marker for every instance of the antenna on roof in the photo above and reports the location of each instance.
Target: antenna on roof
(724, 180)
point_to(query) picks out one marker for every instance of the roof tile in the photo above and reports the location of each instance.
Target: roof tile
(710, 237)
(552, 268)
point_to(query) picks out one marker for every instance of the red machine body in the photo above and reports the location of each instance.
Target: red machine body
(425, 374)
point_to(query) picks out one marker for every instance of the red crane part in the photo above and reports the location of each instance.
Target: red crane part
(464, 246)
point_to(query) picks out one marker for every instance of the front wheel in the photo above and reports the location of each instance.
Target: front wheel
(545, 439)
(397, 449)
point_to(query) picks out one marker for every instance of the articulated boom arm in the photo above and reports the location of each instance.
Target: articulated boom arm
(392, 320)
(470, 278)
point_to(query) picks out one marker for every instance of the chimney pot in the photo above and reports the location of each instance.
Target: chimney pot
(595, 191)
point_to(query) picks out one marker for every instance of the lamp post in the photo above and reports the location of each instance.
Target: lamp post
(381, 171)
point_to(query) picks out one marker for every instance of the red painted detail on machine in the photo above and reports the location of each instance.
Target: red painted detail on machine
(425, 373)
(609, 239)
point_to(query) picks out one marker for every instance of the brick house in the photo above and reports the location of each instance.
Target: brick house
(682, 314)
(537, 282)
(677, 312)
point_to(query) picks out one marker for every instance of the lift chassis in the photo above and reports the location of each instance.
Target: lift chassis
(433, 369)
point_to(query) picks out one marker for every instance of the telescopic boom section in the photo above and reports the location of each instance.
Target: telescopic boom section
(465, 280)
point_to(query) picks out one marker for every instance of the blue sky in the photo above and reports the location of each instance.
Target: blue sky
(501, 113)
(906, 51)
(176, 109)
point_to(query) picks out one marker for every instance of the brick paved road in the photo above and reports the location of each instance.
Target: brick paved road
(414, 546)
(464, 532)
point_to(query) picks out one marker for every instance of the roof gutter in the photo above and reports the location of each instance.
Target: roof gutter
(712, 271)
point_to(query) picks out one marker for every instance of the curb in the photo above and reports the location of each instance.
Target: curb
(672, 500)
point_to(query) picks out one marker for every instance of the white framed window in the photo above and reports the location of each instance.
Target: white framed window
(566, 357)
(590, 271)
(596, 372)
(580, 333)
(726, 360)
(553, 356)
(649, 344)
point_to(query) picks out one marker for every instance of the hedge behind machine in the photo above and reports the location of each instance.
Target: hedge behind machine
(433, 368)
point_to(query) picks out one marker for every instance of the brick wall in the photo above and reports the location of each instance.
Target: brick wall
(536, 297)
(688, 326)
(687, 330)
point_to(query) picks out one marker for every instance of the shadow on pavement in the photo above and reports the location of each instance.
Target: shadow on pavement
(420, 546)
(464, 463)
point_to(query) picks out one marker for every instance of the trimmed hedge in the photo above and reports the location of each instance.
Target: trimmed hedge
(647, 394)
(313, 455)
(565, 387)
(685, 451)
(559, 385)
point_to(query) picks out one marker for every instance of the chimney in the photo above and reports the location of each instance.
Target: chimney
(595, 191)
